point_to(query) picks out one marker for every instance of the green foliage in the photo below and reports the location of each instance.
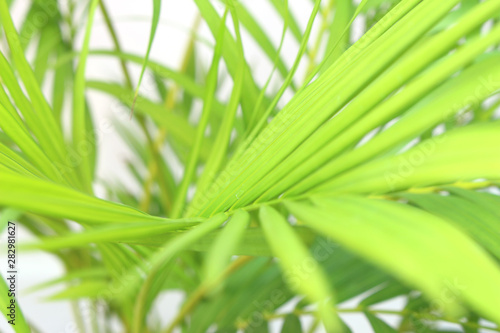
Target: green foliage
(376, 180)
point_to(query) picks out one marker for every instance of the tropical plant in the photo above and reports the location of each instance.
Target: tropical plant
(377, 179)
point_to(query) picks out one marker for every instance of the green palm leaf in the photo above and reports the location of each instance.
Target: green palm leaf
(262, 200)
